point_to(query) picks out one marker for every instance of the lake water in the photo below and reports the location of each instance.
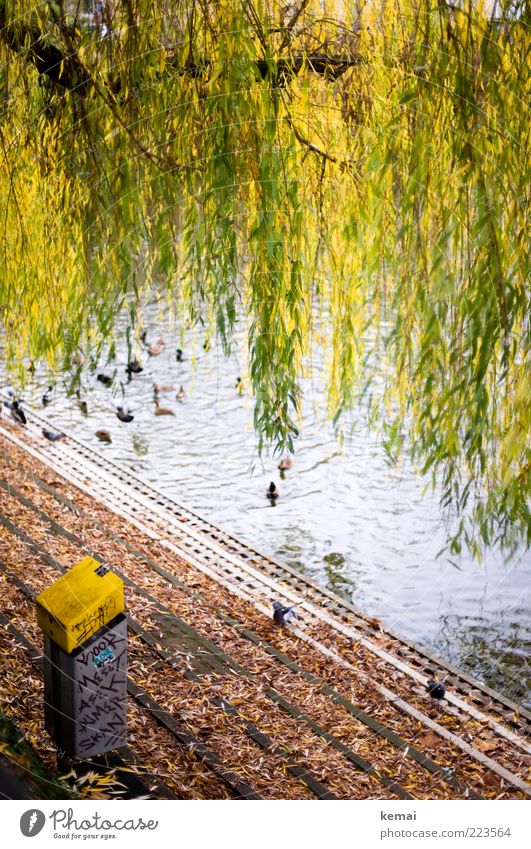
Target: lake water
(355, 525)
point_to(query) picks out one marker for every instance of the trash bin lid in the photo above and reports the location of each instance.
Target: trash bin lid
(79, 603)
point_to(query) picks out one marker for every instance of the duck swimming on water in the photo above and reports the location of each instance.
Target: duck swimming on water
(133, 367)
(81, 403)
(162, 411)
(105, 379)
(155, 349)
(104, 435)
(47, 397)
(272, 492)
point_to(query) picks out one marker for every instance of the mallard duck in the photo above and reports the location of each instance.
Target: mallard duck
(162, 411)
(179, 355)
(81, 403)
(47, 397)
(181, 395)
(52, 435)
(104, 435)
(157, 348)
(272, 492)
(169, 387)
(285, 464)
(124, 415)
(105, 379)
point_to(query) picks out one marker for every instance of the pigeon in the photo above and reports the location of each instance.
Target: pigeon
(179, 355)
(17, 413)
(52, 435)
(435, 689)
(124, 415)
(47, 397)
(134, 367)
(272, 492)
(282, 614)
(105, 379)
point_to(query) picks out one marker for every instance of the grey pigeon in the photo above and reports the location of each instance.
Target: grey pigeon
(18, 413)
(124, 415)
(51, 435)
(282, 614)
(435, 689)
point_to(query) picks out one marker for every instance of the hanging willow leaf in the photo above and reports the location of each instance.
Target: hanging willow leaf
(351, 179)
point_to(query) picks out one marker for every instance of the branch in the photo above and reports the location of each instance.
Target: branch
(61, 65)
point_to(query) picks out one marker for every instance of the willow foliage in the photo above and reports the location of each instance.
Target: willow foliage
(352, 177)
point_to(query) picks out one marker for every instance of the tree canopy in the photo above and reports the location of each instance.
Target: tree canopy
(348, 177)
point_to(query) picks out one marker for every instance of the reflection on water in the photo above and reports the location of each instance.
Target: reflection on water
(356, 526)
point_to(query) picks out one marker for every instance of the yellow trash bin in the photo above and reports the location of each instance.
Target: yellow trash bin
(85, 659)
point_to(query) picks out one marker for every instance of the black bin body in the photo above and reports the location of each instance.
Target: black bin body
(85, 692)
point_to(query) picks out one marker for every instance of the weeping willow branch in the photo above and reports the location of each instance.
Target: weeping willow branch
(352, 182)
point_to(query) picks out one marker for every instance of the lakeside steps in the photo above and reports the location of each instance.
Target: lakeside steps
(331, 707)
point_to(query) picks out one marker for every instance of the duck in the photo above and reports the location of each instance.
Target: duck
(104, 435)
(47, 397)
(272, 492)
(51, 435)
(162, 411)
(285, 464)
(105, 379)
(179, 355)
(181, 395)
(81, 403)
(155, 349)
(17, 413)
(124, 415)
(133, 367)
